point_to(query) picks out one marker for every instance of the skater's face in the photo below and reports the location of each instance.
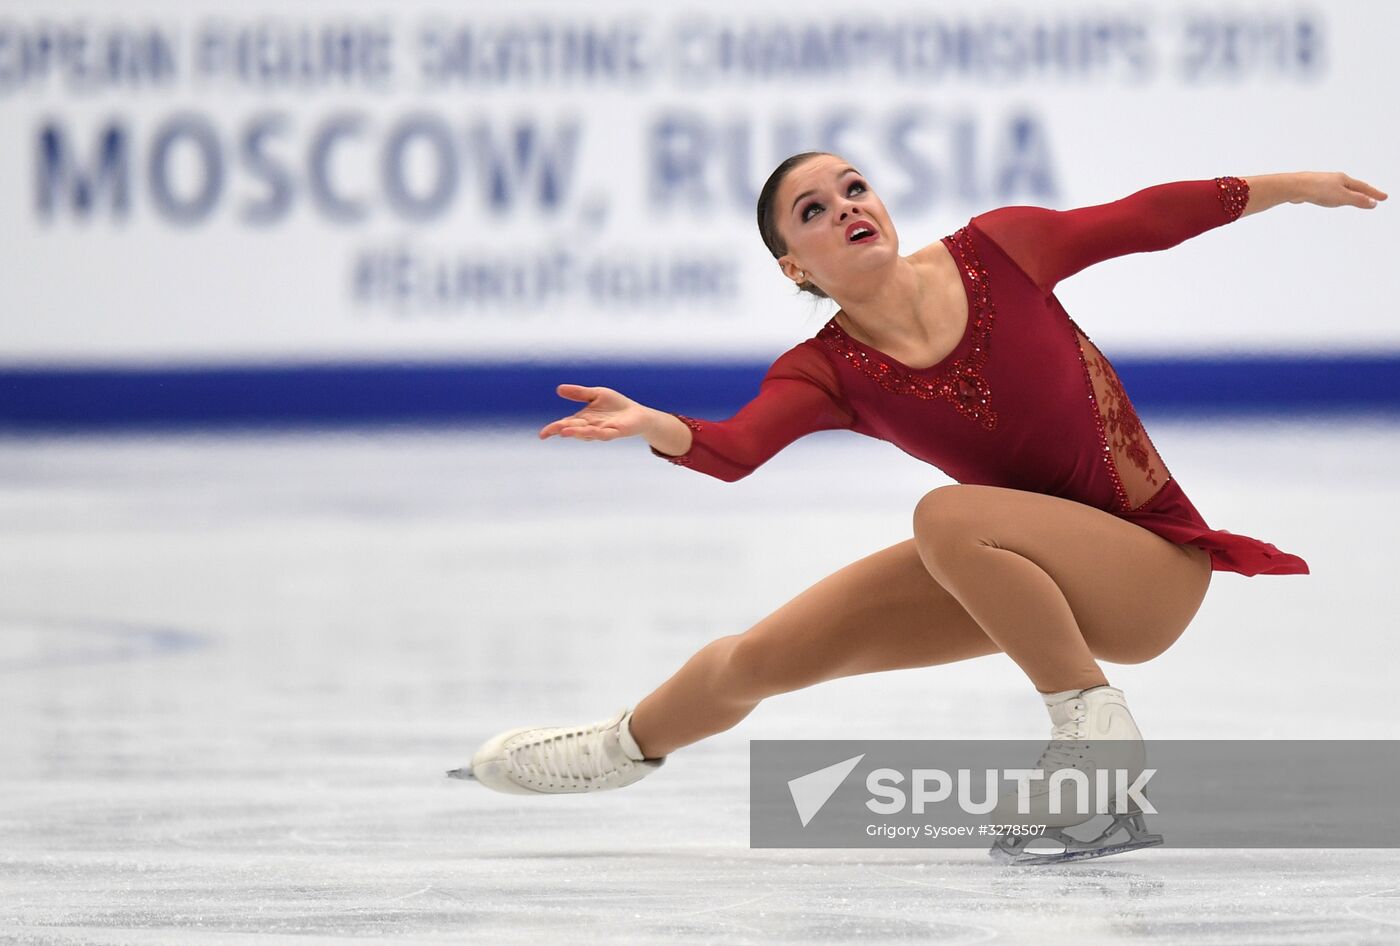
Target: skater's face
(819, 207)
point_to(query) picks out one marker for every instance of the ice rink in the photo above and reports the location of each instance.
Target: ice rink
(234, 667)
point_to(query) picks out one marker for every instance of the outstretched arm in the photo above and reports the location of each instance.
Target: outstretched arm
(798, 395)
(1051, 245)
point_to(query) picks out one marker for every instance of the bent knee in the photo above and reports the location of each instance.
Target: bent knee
(941, 501)
(949, 518)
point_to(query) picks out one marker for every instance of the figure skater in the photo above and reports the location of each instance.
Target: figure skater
(1065, 539)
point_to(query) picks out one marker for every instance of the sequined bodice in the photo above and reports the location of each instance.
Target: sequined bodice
(1024, 400)
(958, 379)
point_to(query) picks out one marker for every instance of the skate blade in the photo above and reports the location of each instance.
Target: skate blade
(1033, 859)
(464, 772)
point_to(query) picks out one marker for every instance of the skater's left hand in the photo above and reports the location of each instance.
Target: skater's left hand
(1335, 189)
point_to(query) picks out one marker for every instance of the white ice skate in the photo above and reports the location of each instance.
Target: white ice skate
(1093, 730)
(556, 760)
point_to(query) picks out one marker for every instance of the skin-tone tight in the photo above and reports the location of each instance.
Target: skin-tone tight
(1052, 583)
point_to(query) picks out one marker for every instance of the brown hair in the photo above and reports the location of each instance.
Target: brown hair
(768, 224)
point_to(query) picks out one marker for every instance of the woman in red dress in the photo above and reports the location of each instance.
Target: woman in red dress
(1065, 540)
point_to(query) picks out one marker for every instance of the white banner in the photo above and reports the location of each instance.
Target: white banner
(215, 182)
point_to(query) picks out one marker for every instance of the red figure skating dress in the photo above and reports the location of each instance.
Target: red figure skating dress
(1025, 400)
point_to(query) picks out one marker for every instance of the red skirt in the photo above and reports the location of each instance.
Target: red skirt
(1171, 515)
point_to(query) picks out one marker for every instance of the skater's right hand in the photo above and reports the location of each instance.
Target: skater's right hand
(608, 415)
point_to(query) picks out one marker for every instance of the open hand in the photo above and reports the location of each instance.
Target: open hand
(608, 415)
(1335, 189)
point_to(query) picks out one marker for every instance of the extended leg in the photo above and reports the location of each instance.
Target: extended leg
(883, 612)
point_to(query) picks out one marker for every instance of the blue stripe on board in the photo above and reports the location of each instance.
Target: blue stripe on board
(286, 394)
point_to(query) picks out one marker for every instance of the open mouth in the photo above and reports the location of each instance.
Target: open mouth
(861, 232)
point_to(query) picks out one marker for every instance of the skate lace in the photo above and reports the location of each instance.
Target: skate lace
(1061, 755)
(563, 754)
(1066, 750)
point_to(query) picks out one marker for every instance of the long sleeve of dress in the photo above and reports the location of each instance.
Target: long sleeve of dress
(1050, 245)
(799, 394)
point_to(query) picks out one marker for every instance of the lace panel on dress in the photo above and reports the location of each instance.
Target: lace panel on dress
(1134, 465)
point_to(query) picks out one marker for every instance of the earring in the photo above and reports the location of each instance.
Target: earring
(801, 275)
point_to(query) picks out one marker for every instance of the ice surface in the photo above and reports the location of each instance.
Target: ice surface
(233, 670)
